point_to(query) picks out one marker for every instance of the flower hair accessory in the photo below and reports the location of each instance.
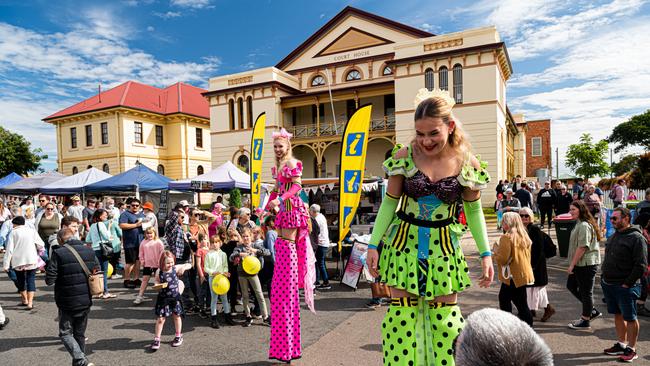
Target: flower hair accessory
(424, 94)
(282, 134)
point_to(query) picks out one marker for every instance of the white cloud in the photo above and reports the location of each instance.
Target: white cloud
(193, 4)
(168, 15)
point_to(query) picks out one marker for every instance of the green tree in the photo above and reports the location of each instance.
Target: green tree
(626, 164)
(634, 132)
(640, 177)
(17, 155)
(235, 198)
(588, 159)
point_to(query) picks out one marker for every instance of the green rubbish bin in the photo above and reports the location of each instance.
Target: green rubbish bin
(563, 227)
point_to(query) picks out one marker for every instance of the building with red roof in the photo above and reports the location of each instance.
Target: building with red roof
(165, 129)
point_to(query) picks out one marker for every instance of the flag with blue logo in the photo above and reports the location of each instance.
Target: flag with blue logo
(257, 153)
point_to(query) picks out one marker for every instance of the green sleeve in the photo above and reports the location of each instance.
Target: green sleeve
(384, 218)
(476, 223)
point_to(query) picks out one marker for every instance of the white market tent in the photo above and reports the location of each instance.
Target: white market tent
(76, 183)
(224, 177)
(32, 184)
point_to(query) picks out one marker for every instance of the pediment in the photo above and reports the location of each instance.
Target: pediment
(352, 39)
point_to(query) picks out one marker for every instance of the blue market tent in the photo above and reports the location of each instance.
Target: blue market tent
(31, 185)
(137, 179)
(76, 183)
(10, 178)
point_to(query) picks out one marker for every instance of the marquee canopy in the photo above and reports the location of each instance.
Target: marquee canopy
(32, 184)
(226, 176)
(137, 179)
(76, 183)
(10, 178)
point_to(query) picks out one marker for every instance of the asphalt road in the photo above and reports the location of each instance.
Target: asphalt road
(343, 332)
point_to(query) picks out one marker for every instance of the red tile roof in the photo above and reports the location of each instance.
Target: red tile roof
(176, 98)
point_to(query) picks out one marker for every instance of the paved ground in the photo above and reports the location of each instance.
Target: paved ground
(343, 332)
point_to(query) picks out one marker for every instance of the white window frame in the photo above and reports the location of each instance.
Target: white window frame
(533, 151)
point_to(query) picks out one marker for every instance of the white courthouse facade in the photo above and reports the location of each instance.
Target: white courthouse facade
(368, 59)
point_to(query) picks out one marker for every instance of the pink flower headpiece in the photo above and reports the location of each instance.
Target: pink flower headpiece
(282, 134)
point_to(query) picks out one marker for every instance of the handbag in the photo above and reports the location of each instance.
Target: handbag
(379, 290)
(106, 246)
(95, 280)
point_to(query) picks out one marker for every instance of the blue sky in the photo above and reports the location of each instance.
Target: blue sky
(584, 64)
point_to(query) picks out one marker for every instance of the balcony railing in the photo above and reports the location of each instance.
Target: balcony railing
(387, 123)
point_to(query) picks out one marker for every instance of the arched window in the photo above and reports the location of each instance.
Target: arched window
(75, 170)
(428, 79)
(353, 75)
(240, 113)
(249, 110)
(443, 78)
(106, 168)
(242, 161)
(231, 113)
(199, 170)
(89, 166)
(387, 70)
(160, 169)
(458, 83)
(318, 80)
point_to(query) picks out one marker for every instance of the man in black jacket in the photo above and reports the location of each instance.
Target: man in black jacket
(546, 199)
(626, 259)
(71, 293)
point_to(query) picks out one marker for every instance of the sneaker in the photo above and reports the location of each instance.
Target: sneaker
(629, 355)
(129, 284)
(3, 325)
(580, 324)
(616, 350)
(373, 304)
(248, 322)
(178, 340)
(595, 314)
(267, 321)
(548, 313)
(324, 286)
(138, 300)
(155, 345)
(116, 276)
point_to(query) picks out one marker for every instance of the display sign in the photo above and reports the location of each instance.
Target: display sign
(257, 154)
(162, 207)
(355, 265)
(353, 160)
(198, 185)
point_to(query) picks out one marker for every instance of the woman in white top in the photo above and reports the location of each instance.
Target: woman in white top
(22, 256)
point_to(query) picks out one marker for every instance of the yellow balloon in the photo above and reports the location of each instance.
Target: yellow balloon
(220, 284)
(251, 265)
(109, 270)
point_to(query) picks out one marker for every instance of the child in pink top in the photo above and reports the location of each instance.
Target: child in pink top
(151, 249)
(204, 286)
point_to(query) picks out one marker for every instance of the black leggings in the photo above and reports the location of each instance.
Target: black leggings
(581, 285)
(510, 294)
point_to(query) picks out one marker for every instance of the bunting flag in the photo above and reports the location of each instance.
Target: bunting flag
(257, 153)
(353, 161)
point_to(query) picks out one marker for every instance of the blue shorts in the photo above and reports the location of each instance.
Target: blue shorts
(621, 300)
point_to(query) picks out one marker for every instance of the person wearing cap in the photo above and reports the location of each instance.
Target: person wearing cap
(22, 256)
(150, 219)
(76, 209)
(546, 199)
(510, 203)
(132, 234)
(185, 207)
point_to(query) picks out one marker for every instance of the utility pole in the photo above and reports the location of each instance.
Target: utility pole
(557, 163)
(611, 162)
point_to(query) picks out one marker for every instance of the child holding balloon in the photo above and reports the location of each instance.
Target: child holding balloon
(151, 248)
(216, 266)
(168, 303)
(248, 255)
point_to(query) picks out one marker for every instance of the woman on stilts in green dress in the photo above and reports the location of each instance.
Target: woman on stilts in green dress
(422, 262)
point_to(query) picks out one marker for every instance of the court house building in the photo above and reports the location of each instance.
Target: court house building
(359, 58)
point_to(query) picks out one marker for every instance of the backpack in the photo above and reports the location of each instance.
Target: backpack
(612, 192)
(550, 250)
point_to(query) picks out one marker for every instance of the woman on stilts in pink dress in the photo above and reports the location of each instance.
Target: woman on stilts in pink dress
(294, 259)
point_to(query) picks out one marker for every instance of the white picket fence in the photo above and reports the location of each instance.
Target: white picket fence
(640, 196)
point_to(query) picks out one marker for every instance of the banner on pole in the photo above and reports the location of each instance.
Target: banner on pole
(257, 153)
(353, 161)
